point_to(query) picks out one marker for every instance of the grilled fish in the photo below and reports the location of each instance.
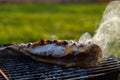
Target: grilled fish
(67, 53)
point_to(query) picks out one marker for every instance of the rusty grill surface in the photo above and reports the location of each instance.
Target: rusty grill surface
(22, 68)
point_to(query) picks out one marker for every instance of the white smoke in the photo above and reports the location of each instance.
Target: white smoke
(53, 37)
(108, 34)
(85, 37)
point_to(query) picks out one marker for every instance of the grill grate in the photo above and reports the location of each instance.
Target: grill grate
(22, 68)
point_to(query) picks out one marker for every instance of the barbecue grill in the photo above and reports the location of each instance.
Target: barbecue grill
(17, 67)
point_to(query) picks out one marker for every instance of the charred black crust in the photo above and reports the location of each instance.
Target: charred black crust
(44, 42)
(65, 42)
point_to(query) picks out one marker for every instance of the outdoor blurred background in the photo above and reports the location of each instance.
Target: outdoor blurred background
(31, 20)
(23, 21)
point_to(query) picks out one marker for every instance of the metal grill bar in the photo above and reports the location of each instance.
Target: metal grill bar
(22, 68)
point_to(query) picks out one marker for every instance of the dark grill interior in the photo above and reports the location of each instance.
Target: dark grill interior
(23, 68)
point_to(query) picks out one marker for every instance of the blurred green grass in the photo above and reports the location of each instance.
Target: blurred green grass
(31, 22)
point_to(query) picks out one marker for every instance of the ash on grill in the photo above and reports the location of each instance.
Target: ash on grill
(23, 68)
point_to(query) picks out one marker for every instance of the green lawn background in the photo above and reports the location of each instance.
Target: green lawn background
(31, 22)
